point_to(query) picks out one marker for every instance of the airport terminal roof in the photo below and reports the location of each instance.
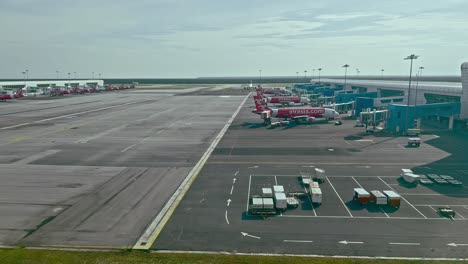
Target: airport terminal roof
(448, 87)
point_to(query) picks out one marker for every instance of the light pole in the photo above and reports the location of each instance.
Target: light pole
(357, 72)
(58, 74)
(69, 79)
(410, 57)
(100, 76)
(305, 75)
(381, 73)
(74, 74)
(24, 77)
(319, 70)
(27, 74)
(345, 72)
(297, 76)
(313, 73)
(418, 75)
(93, 75)
(260, 71)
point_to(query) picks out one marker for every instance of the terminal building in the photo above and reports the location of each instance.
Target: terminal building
(442, 101)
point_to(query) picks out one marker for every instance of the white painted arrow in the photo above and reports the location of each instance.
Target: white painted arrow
(246, 234)
(237, 172)
(234, 180)
(350, 242)
(456, 245)
(228, 202)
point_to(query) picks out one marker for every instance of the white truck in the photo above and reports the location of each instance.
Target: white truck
(414, 142)
(409, 176)
(319, 175)
(316, 195)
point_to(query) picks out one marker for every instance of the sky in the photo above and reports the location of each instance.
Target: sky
(185, 39)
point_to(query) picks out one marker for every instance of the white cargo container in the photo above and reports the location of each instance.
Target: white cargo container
(393, 198)
(280, 201)
(267, 193)
(257, 203)
(404, 171)
(411, 178)
(268, 203)
(378, 197)
(278, 188)
(316, 195)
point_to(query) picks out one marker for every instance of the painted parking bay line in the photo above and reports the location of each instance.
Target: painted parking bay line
(156, 226)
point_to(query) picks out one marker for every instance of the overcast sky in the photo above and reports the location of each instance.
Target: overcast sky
(174, 38)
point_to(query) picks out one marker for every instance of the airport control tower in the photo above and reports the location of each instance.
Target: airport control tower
(464, 97)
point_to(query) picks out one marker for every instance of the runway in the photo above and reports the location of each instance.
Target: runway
(94, 170)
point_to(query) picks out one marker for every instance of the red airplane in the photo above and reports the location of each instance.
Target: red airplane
(59, 91)
(284, 100)
(74, 90)
(272, 91)
(83, 90)
(6, 96)
(295, 113)
(19, 93)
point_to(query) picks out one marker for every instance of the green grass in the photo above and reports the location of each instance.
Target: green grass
(8, 256)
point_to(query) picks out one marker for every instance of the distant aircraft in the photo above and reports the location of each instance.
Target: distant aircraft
(307, 114)
(6, 96)
(284, 100)
(272, 91)
(59, 91)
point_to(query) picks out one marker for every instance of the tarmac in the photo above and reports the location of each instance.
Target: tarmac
(94, 170)
(213, 216)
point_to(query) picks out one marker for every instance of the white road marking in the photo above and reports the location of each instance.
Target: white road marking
(227, 220)
(403, 243)
(344, 242)
(276, 181)
(89, 111)
(356, 181)
(233, 180)
(248, 195)
(127, 148)
(297, 241)
(456, 245)
(229, 202)
(382, 210)
(331, 185)
(248, 235)
(329, 176)
(19, 125)
(404, 199)
(232, 189)
(237, 172)
(370, 217)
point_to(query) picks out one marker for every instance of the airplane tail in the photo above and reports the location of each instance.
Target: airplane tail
(19, 92)
(260, 104)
